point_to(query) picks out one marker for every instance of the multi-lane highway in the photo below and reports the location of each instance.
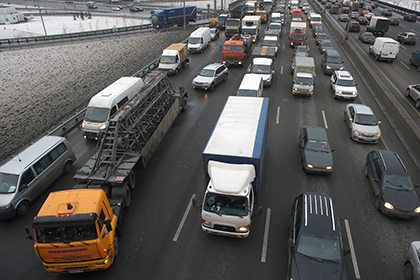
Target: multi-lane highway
(161, 235)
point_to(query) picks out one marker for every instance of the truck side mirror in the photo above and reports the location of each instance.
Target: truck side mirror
(107, 223)
(196, 204)
(28, 234)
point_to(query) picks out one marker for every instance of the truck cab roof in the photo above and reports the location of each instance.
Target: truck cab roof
(262, 61)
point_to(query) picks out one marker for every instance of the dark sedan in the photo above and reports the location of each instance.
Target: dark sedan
(316, 152)
(394, 21)
(362, 20)
(353, 26)
(410, 17)
(394, 192)
(366, 37)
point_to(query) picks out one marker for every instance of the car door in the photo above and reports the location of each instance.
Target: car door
(219, 75)
(302, 143)
(28, 186)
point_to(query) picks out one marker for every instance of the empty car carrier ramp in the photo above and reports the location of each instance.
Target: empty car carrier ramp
(133, 133)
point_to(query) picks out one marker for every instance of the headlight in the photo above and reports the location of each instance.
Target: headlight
(328, 167)
(244, 228)
(309, 165)
(378, 135)
(205, 223)
(102, 127)
(389, 206)
(311, 90)
(295, 89)
(6, 207)
(340, 92)
(328, 67)
(417, 210)
(356, 132)
(341, 68)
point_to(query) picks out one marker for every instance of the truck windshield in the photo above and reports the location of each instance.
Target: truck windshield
(261, 69)
(195, 40)
(298, 37)
(226, 204)
(168, 59)
(250, 31)
(270, 43)
(8, 182)
(232, 48)
(66, 234)
(307, 81)
(247, 92)
(232, 22)
(155, 20)
(95, 114)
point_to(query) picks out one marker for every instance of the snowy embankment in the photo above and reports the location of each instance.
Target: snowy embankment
(43, 85)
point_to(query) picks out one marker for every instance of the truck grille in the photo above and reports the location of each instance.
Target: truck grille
(224, 228)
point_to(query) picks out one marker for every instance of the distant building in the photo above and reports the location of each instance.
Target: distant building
(8, 14)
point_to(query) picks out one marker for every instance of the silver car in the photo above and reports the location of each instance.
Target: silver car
(362, 123)
(412, 261)
(210, 76)
(413, 91)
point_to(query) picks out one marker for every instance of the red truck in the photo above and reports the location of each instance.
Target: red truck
(297, 33)
(236, 50)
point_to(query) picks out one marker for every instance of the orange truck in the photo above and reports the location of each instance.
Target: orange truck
(236, 50)
(76, 231)
(263, 14)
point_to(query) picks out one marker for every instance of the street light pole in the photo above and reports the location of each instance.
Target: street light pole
(42, 19)
(185, 19)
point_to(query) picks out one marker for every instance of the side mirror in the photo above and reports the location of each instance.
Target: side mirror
(23, 187)
(196, 204)
(108, 225)
(346, 251)
(28, 234)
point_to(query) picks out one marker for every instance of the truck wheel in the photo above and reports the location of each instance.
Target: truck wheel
(68, 167)
(132, 180)
(22, 208)
(127, 196)
(116, 245)
(407, 93)
(122, 192)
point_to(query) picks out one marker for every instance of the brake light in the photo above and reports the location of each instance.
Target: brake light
(381, 51)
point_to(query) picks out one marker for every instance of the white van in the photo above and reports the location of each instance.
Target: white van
(199, 39)
(106, 103)
(384, 48)
(251, 85)
(31, 172)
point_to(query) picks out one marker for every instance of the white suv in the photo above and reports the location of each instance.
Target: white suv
(343, 85)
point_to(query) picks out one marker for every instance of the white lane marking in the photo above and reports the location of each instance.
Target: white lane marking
(265, 242)
(278, 115)
(352, 252)
(181, 224)
(405, 65)
(325, 119)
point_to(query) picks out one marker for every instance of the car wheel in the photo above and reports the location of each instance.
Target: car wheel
(408, 272)
(22, 208)
(176, 71)
(377, 57)
(68, 167)
(212, 87)
(116, 245)
(418, 104)
(378, 203)
(407, 93)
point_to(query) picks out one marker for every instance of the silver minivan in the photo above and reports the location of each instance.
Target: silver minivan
(30, 173)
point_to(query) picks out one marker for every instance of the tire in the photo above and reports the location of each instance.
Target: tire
(407, 93)
(132, 180)
(122, 192)
(184, 103)
(418, 104)
(408, 272)
(116, 245)
(212, 87)
(22, 208)
(68, 167)
(176, 71)
(127, 196)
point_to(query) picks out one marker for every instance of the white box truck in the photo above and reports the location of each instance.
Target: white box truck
(174, 58)
(303, 76)
(233, 166)
(251, 26)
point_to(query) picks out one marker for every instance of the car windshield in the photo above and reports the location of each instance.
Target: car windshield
(95, 114)
(399, 182)
(274, 26)
(345, 83)
(8, 182)
(318, 145)
(334, 60)
(247, 92)
(226, 204)
(168, 59)
(307, 81)
(66, 234)
(326, 44)
(232, 22)
(365, 119)
(322, 37)
(194, 40)
(260, 69)
(319, 247)
(206, 73)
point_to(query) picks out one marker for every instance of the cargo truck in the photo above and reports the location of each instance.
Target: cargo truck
(233, 166)
(77, 230)
(174, 58)
(251, 26)
(221, 21)
(297, 33)
(264, 67)
(378, 25)
(170, 16)
(236, 50)
(303, 76)
(234, 22)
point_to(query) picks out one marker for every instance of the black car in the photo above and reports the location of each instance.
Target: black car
(353, 26)
(321, 36)
(302, 51)
(394, 21)
(386, 12)
(394, 192)
(315, 240)
(362, 20)
(410, 17)
(316, 152)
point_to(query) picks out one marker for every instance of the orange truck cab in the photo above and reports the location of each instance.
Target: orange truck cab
(235, 50)
(297, 15)
(263, 14)
(75, 231)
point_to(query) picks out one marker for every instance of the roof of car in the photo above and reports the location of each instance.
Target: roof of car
(318, 213)
(213, 66)
(393, 163)
(316, 133)
(361, 109)
(344, 75)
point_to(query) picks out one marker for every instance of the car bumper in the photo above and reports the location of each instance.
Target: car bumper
(90, 135)
(225, 233)
(7, 213)
(398, 214)
(318, 170)
(198, 86)
(365, 139)
(345, 96)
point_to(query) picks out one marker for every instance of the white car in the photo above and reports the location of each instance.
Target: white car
(116, 8)
(362, 123)
(210, 76)
(413, 91)
(343, 85)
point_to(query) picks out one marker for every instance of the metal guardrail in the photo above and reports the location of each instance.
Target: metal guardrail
(397, 8)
